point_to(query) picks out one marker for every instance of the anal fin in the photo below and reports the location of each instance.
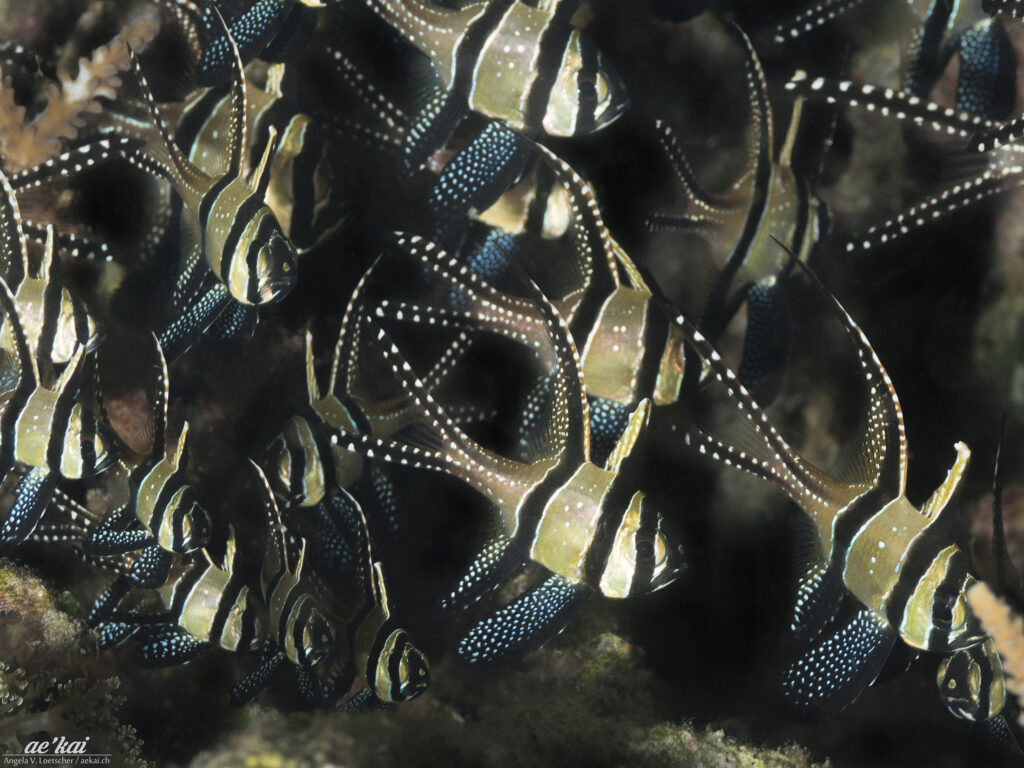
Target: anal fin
(820, 592)
(524, 625)
(496, 560)
(831, 674)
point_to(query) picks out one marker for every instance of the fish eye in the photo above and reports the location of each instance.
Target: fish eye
(645, 548)
(942, 608)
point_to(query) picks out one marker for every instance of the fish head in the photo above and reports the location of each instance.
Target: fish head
(588, 93)
(645, 555)
(402, 672)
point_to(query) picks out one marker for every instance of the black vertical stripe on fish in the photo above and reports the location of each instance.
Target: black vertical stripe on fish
(88, 442)
(549, 59)
(643, 574)
(59, 424)
(596, 557)
(183, 588)
(655, 339)
(380, 638)
(242, 218)
(467, 52)
(211, 197)
(531, 509)
(198, 115)
(227, 601)
(394, 665)
(587, 82)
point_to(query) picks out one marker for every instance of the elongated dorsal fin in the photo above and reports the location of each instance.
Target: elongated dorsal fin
(230, 551)
(348, 335)
(236, 128)
(381, 589)
(312, 388)
(275, 79)
(637, 421)
(170, 162)
(261, 177)
(47, 260)
(181, 451)
(160, 407)
(277, 545)
(593, 240)
(69, 376)
(12, 233)
(302, 559)
(945, 493)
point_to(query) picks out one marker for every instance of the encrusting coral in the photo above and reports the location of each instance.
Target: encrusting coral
(1007, 631)
(24, 144)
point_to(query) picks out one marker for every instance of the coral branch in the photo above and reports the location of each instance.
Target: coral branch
(1007, 631)
(24, 145)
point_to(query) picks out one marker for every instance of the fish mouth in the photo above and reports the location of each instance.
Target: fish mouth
(275, 287)
(617, 105)
(674, 568)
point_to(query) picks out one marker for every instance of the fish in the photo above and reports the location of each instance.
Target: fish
(55, 323)
(1000, 171)
(48, 430)
(274, 30)
(585, 523)
(162, 511)
(521, 64)
(235, 231)
(770, 199)
(301, 191)
(357, 635)
(206, 605)
(899, 562)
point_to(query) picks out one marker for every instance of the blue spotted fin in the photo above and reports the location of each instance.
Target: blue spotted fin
(498, 559)
(432, 127)
(608, 420)
(165, 645)
(830, 674)
(252, 31)
(524, 625)
(188, 326)
(152, 567)
(986, 84)
(473, 181)
(994, 743)
(924, 54)
(237, 323)
(819, 594)
(330, 530)
(364, 700)
(249, 687)
(768, 339)
(31, 496)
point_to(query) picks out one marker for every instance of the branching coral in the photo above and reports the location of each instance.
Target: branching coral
(1007, 631)
(76, 710)
(46, 686)
(27, 144)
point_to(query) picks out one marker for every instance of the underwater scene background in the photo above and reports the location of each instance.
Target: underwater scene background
(473, 384)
